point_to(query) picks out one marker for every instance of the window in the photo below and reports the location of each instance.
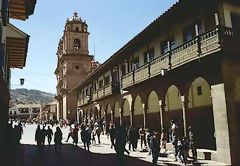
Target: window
(35, 110)
(107, 80)
(76, 44)
(189, 31)
(235, 22)
(77, 29)
(199, 90)
(135, 63)
(123, 69)
(100, 84)
(77, 67)
(10, 112)
(95, 86)
(86, 92)
(164, 45)
(149, 55)
(23, 110)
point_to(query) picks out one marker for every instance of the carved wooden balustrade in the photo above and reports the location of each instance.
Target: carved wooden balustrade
(198, 47)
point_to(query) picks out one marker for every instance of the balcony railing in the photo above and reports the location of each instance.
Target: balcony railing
(200, 46)
(111, 88)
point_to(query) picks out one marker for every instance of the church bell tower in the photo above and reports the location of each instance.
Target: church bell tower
(74, 64)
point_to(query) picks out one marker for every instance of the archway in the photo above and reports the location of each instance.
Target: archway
(153, 120)
(126, 113)
(138, 116)
(173, 109)
(116, 114)
(200, 110)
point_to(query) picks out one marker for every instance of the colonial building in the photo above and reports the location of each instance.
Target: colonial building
(13, 48)
(184, 66)
(48, 112)
(25, 111)
(74, 64)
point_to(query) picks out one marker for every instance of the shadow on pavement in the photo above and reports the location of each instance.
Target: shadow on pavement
(31, 155)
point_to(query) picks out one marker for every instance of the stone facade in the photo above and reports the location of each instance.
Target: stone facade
(183, 66)
(74, 64)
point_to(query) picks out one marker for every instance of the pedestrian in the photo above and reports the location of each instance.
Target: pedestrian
(70, 133)
(75, 135)
(85, 137)
(112, 135)
(142, 134)
(49, 135)
(98, 133)
(131, 138)
(58, 140)
(192, 144)
(44, 134)
(174, 129)
(120, 143)
(38, 137)
(149, 135)
(163, 140)
(183, 150)
(155, 147)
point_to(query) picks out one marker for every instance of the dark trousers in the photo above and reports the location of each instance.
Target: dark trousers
(49, 140)
(86, 145)
(155, 155)
(194, 151)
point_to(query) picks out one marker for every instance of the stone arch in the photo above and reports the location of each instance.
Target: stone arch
(173, 108)
(116, 113)
(199, 108)
(138, 113)
(126, 112)
(153, 120)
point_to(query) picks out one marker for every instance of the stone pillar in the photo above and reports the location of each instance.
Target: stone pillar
(226, 104)
(131, 117)
(221, 123)
(121, 116)
(144, 115)
(161, 108)
(216, 19)
(183, 101)
(112, 116)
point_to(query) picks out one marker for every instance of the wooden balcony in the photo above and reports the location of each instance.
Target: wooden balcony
(200, 46)
(111, 88)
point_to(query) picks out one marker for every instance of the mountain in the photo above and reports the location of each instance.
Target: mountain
(30, 96)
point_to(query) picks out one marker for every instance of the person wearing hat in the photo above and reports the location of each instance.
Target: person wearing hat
(192, 144)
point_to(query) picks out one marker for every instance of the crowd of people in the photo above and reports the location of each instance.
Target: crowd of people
(91, 132)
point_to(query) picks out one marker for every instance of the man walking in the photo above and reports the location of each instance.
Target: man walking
(49, 135)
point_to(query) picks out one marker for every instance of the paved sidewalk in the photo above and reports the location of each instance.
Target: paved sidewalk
(100, 154)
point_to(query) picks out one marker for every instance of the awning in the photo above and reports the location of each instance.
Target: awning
(21, 9)
(17, 47)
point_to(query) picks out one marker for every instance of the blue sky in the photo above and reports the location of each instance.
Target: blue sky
(111, 25)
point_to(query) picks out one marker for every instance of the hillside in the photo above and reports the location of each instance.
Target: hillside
(30, 96)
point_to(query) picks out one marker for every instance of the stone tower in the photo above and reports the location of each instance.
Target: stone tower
(74, 64)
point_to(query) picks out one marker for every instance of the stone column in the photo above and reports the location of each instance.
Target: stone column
(161, 108)
(221, 123)
(144, 115)
(183, 101)
(131, 117)
(121, 116)
(112, 116)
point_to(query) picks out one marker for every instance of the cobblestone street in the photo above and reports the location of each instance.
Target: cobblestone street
(100, 154)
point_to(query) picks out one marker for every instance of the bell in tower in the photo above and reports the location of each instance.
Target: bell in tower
(75, 38)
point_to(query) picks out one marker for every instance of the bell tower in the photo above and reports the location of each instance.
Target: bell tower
(75, 37)
(74, 64)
